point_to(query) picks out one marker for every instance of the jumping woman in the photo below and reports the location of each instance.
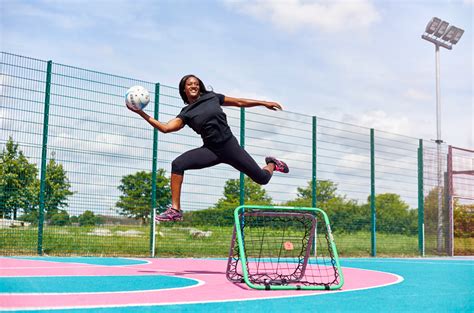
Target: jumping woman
(203, 113)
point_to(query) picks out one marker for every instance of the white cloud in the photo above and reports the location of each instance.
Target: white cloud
(381, 120)
(353, 163)
(414, 94)
(325, 16)
(66, 21)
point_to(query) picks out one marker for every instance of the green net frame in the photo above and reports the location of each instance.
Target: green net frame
(281, 248)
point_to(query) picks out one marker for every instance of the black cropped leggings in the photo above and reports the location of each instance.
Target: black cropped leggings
(229, 152)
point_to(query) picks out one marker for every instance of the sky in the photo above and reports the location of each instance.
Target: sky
(358, 61)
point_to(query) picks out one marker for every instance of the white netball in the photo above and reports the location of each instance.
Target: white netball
(137, 97)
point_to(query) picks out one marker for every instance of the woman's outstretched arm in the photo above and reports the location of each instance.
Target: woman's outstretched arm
(172, 125)
(247, 103)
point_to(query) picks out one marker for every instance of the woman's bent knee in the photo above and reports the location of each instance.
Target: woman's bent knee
(262, 179)
(177, 167)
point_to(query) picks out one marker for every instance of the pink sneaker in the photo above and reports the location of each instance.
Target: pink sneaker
(280, 166)
(170, 215)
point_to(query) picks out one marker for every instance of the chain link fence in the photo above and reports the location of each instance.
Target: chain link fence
(80, 173)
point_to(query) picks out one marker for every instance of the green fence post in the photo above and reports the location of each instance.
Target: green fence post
(154, 169)
(313, 180)
(242, 144)
(44, 154)
(314, 200)
(421, 202)
(372, 193)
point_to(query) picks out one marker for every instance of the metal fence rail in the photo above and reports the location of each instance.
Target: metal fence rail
(75, 118)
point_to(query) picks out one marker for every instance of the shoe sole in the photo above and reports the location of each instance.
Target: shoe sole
(285, 169)
(169, 220)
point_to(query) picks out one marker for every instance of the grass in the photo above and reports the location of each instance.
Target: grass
(464, 246)
(178, 241)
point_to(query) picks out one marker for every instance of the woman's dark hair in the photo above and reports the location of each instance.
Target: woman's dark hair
(202, 88)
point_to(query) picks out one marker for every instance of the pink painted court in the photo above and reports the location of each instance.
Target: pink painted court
(80, 283)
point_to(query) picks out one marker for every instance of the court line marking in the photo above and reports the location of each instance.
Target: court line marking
(66, 267)
(84, 264)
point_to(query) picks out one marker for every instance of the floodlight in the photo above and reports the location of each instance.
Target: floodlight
(433, 25)
(452, 30)
(457, 36)
(437, 42)
(441, 29)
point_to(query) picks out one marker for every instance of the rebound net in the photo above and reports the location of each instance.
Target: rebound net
(283, 248)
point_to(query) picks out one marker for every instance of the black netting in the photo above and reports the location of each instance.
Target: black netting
(290, 248)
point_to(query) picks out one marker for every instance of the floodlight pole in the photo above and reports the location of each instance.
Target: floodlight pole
(439, 162)
(438, 102)
(438, 33)
(439, 141)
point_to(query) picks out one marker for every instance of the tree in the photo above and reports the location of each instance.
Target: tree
(431, 210)
(20, 186)
(253, 194)
(135, 202)
(88, 218)
(325, 191)
(393, 214)
(345, 215)
(60, 218)
(57, 188)
(30, 217)
(222, 213)
(18, 179)
(74, 219)
(463, 220)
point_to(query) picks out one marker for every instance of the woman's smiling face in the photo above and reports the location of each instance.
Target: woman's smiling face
(192, 90)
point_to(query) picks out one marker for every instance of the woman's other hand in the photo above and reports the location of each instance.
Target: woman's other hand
(273, 106)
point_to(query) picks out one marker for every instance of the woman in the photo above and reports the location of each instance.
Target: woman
(203, 113)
